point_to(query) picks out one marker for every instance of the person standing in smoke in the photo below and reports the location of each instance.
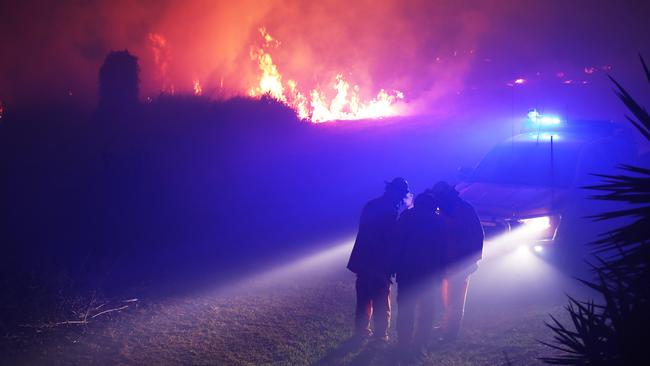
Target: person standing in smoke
(371, 259)
(419, 268)
(465, 235)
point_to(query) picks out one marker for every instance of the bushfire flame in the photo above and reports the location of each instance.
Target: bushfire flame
(198, 90)
(315, 105)
(340, 100)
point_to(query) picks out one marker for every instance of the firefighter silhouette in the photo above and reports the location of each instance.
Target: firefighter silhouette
(465, 235)
(419, 268)
(371, 259)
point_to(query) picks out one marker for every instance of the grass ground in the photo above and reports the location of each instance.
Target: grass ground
(288, 320)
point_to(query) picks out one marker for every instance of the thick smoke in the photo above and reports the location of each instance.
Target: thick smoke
(426, 49)
(57, 47)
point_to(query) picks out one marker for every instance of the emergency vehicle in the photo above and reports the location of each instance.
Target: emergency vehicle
(536, 178)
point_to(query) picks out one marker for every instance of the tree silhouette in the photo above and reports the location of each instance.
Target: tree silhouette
(119, 82)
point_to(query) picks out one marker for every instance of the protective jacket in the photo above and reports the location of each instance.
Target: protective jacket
(465, 236)
(373, 246)
(420, 254)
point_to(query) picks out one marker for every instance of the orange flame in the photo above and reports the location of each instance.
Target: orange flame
(270, 81)
(345, 105)
(198, 90)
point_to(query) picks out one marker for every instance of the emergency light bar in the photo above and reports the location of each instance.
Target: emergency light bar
(539, 122)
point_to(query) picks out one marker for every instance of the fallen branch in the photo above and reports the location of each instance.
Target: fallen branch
(109, 311)
(87, 316)
(52, 325)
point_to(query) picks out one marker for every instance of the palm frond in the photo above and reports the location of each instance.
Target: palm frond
(614, 332)
(643, 123)
(645, 68)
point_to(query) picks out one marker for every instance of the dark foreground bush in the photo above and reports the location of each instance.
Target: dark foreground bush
(615, 331)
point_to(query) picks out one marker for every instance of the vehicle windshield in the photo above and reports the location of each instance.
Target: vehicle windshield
(529, 163)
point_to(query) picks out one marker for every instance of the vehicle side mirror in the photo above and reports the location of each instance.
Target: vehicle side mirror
(465, 173)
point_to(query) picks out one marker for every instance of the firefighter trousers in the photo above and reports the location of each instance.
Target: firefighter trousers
(454, 294)
(416, 304)
(373, 302)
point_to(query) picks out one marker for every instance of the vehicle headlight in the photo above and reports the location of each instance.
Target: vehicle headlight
(544, 226)
(541, 223)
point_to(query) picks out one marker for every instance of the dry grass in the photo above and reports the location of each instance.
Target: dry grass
(290, 323)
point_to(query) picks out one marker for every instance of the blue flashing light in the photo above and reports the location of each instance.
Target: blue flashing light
(537, 121)
(549, 121)
(533, 114)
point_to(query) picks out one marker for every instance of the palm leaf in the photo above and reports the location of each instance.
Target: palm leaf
(614, 332)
